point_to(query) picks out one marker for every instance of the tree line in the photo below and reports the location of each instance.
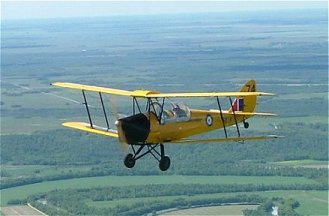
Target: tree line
(68, 147)
(77, 201)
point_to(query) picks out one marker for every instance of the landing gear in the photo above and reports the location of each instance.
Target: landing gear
(129, 161)
(245, 124)
(164, 161)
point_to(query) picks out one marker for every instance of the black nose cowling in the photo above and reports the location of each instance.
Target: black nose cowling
(136, 128)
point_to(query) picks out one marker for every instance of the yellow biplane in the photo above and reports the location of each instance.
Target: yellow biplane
(165, 122)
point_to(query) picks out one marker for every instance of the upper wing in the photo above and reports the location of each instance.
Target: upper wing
(154, 94)
(92, 88)
(229, 139)
(208, 94)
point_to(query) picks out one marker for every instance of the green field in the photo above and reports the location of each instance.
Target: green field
(213, 210)
(303, 163)
(311, 202)
(20, 171)
(22, 192)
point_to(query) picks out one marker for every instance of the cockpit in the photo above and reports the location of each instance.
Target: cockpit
(172, 112)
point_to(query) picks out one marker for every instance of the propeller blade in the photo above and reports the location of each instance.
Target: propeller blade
(114, 108)
(122, 138)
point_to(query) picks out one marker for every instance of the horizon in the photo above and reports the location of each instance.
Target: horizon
(159, 15)
(26, 10)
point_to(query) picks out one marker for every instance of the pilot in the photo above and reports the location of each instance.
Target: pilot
(178, 111)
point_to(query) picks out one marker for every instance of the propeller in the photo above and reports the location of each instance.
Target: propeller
(122, 137)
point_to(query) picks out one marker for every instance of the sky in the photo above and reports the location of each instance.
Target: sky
(60, 8)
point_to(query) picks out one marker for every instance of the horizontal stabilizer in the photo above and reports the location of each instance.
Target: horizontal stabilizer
(235, 139)
(95, 129)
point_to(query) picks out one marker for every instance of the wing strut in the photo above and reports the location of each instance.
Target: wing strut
(221, 116)
(236, 122)
(87, 108)
(105, 116)
(135, 103)
(161, 112)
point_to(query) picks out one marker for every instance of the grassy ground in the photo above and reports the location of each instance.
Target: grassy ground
(22, 192)
(273, 123)
(311, 202)
(28, 125)
(303, 163)
(213, 210)
(302, 95)
(132, 201)
(20, 171)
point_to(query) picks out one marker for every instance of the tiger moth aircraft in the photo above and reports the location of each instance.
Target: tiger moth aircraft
(163, 122)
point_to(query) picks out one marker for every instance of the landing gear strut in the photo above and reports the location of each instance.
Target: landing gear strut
(245, 124)
(164, 161)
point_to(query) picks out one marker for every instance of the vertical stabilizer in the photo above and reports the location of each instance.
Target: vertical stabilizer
(248, 103)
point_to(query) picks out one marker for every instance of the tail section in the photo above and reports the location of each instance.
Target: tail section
(248, 103)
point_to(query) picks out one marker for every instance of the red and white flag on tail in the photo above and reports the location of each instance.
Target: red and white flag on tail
(238, 104)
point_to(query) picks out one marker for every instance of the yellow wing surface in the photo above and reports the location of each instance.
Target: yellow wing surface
(95, 129)
(240, 113)
(92, 88)
(154, 94)
(228, 139)
(208, 94)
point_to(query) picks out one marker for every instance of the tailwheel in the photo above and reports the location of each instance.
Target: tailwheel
(129, 161)
(245, 124)
(164, 163)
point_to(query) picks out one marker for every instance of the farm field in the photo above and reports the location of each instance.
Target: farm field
(304, 163)
(311, 202)
(213, 210)
(19, 211)
(22, 192)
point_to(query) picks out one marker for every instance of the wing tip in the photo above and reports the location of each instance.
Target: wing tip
(266, 94)
(275, 136)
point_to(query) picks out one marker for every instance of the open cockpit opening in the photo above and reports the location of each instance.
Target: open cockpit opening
(170, 112)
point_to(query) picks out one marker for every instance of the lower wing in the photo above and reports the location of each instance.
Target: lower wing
(95, 129)
(229, 139)
(239, 113)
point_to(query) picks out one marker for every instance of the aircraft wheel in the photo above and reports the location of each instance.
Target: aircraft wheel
(129, 161)
(164, 163)
(246, 125)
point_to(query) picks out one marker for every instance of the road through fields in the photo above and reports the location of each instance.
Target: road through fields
(20, 210)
